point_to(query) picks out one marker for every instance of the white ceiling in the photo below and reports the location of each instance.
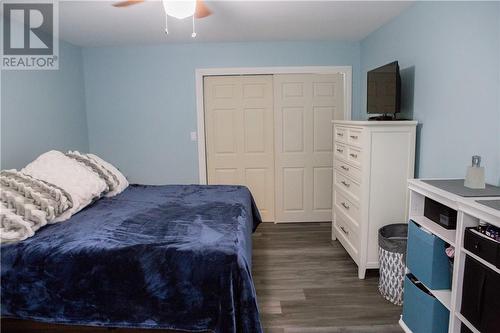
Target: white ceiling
(97, 23)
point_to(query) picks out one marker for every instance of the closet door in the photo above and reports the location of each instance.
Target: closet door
(304, 106)
(239, 135)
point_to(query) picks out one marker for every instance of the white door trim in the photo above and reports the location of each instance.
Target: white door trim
(346, 71)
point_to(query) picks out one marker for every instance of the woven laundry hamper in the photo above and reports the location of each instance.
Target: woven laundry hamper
(392, 241)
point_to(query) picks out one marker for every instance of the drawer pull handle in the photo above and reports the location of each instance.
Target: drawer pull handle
(346, 206)
(476, 246)
(354, 155)
(355, 137)
(344, 167)
(340, 134)
(340, 150)
(345, 184)
(344, 231)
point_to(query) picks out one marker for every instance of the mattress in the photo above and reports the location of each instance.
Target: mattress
(174, 257)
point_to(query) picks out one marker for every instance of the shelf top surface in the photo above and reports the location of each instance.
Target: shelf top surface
(448, 235)
(467, 204)
(495, 204)
(443, 296)
(456, 186)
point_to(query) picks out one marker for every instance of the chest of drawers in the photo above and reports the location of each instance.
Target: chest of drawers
(372, 161)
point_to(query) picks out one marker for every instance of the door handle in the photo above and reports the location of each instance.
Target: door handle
(346, 206)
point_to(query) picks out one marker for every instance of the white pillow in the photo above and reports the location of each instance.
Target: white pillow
(123, 182)
(79, 181)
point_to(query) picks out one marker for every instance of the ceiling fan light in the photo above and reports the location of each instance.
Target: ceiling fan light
(179, 8)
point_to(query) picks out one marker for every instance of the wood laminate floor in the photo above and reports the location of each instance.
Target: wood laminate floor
(308, 284)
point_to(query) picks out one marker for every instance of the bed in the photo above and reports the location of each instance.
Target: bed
(172, 257)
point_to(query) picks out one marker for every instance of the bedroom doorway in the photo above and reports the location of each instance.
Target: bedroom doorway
(273, 133)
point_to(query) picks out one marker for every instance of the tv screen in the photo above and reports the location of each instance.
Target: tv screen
(384, 89)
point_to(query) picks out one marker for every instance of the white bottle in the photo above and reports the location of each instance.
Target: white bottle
(475, 174)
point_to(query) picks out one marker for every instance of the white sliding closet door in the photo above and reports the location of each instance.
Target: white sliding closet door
(239, 135)
(304, 106)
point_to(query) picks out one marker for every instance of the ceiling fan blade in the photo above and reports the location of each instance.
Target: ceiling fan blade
(127, 3)
(202, 9)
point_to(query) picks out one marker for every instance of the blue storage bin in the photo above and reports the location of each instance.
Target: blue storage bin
(426, 258)
(423, 313)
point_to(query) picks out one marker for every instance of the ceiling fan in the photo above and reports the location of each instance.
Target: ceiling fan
(179, 9)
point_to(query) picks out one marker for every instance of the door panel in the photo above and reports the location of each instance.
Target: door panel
(254, 90)
(223, 124)
(239, 125)
(322, 188)
(322, 127)
(224, 91)
(292, 89)
(225, 176)
(293, 130)
(304, 106)
(256, 180)
(293, 189)
(255, 130)
(323, 89)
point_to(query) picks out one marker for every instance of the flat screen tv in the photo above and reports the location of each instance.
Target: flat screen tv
(384, 91)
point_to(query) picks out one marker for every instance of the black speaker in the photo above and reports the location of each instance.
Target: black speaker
(441, 214)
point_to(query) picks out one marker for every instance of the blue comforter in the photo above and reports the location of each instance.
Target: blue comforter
(176, 257)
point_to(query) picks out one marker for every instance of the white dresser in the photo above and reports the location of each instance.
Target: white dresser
(372, 162)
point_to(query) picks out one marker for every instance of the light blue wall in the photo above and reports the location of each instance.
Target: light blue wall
(141, 100)
(449, 54)
(43, 110)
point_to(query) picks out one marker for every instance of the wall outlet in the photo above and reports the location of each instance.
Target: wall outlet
(194, 136)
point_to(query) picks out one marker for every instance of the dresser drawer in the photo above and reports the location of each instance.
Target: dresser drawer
(347, 169)
(354, 155)
(346, 206)
(340, 150)
(341, 134)
(354, 136)
(346, 184)
(347, 236)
